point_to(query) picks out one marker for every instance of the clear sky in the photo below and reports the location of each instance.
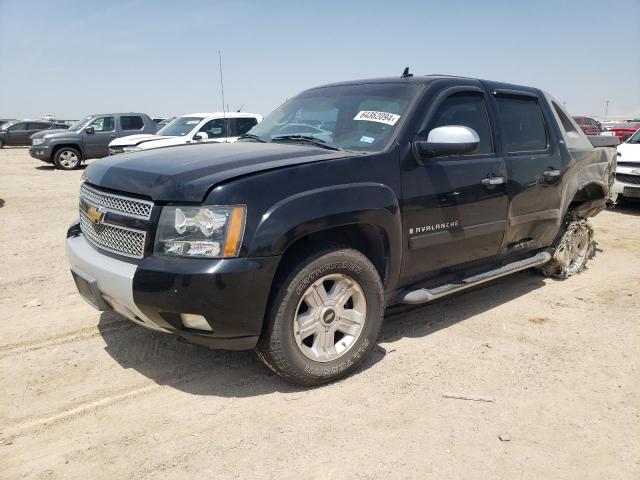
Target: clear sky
(73, 57)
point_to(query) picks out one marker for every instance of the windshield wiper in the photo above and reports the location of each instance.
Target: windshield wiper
(307, 138)
(253, 137)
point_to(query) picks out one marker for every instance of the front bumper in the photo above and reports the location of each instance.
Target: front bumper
(41, 152)
(231, 294)
(627, 181)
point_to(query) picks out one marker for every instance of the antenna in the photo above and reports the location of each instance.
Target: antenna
(406, 73)
(221, 84)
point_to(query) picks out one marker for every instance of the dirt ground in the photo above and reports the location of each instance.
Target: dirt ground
(90, 395)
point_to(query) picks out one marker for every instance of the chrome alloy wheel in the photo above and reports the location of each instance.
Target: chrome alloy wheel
(330, 317)
(68, 159)
(575, 246)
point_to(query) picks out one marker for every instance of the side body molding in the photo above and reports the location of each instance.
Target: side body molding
(324, 208)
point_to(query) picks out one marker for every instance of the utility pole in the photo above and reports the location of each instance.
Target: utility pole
(564, 105)
(606, 110)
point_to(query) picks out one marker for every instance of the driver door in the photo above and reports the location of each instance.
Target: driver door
(454, 207)
(96, 144)
(17, 134)
(215, 130)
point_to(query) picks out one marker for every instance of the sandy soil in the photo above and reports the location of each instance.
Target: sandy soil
(90, 395)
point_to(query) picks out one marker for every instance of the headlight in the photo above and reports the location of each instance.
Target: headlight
(131, 149)
(207, 231)
(38, 141)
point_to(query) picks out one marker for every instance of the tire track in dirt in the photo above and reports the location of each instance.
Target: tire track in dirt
(80, 334)
(63, 414)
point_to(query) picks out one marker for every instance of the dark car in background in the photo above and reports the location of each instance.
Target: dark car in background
(19, 132)
(88, 138)
(589, 126)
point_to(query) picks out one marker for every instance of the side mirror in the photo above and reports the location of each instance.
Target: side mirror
(198, 137)
(446, 141)
(89, 130)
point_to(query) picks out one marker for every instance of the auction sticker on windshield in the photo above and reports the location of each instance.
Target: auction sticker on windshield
(380, 117)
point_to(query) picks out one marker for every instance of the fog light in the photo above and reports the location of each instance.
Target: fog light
(197, 322)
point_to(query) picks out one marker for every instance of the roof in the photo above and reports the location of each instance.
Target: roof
(115, 114)
(221, 114)
(425, 79)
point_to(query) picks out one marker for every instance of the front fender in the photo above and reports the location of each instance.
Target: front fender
(67, 142)
(320, 209)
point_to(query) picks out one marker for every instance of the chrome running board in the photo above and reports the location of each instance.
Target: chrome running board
(423, 295)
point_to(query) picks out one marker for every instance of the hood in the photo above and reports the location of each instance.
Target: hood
(186, 173)
(629, 152)
(57, 133)
(135, 140)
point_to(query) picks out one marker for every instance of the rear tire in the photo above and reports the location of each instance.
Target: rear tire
(67, 158)
(1, 144)
(572, 249)
(325, 318)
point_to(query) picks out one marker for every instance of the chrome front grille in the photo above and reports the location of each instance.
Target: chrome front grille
(123, 241)
(628, 178)
(117, 239)
(116, 203)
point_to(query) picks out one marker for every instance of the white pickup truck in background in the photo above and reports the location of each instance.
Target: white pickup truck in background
(195, 127)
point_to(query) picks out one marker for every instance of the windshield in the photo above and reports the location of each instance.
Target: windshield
(80, 123)
(179, 127)
(635, 138)
(353, 117)
(4, 126)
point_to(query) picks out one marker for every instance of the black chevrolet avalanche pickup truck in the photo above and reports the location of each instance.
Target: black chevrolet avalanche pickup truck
(345, 200)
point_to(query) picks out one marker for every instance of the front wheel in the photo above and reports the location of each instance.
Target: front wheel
(67, 158)
(573, 249)
(324, 321)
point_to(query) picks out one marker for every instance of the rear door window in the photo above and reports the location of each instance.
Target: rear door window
(567, 124)
(522, 124)
(243, 125)
(132, 122)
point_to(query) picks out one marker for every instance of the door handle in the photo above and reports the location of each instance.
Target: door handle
(490, 181)
(551, 173)
(112, 136)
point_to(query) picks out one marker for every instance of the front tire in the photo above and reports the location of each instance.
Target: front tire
(573, 248)
(67, 158)
(325, 319)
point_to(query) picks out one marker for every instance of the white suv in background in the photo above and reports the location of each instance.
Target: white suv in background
(196, 127)
(627, 183)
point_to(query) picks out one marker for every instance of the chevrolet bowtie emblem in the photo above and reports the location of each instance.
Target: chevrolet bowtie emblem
(96, 215)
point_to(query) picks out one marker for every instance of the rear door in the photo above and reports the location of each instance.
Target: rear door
(96, 144)
(35, 127)
(130, 125)
(454, 207)
(534, 168)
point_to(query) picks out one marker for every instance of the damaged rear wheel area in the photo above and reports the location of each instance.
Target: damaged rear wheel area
(573, 248)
